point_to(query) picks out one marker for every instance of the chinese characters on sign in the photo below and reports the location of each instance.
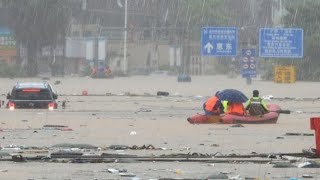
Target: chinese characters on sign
(7, 40)
(219, 41)
(281, 42)
(284, 74)
(7, 43)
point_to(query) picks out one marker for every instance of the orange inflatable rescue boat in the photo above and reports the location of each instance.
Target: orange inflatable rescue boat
(269, 118)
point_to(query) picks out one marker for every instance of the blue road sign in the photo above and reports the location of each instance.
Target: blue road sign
(281, 42)
(248, 63)
(219, 41)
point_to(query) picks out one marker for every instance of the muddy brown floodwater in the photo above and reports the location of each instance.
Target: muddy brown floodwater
(126, 111)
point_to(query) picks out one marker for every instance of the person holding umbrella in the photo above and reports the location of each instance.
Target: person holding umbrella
(213, 106)
(232, 100)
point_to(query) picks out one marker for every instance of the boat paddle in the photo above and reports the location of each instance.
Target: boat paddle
(282, 111)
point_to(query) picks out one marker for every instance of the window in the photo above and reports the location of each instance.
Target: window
(31, 94)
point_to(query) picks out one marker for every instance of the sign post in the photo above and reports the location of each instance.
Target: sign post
(248, 63)
(284, 74)
(281, 42)
(219, 41)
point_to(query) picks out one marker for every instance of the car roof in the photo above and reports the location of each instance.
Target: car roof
(41, 85)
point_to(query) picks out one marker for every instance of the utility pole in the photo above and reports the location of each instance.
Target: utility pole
(125, 62)
(96, 54)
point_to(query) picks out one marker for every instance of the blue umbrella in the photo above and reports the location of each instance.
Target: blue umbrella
(232, 95)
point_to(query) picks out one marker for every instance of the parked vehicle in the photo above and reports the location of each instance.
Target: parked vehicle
(32, 95)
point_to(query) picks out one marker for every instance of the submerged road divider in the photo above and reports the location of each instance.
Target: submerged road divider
(77, 157)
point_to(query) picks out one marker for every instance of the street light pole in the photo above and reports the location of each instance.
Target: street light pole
(125, 63)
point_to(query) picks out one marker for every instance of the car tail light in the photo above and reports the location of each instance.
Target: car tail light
(31, 90)
(51, 106)
(11, 106)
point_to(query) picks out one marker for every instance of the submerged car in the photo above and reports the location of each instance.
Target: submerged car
(32, 95)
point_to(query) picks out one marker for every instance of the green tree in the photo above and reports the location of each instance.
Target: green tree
(38, 23)
(193, 15)
(190, 16)
(306, 15)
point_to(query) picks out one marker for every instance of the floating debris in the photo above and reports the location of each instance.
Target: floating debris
(12, 147)
(111, 170)
(144, 110)
(18, 158)
(310, 152)
(309, 164)
(64, 104)
(135, 147)
(119, 147)
(237, 177)
(218, 176)
(283, 165)
(84, 93)
(267, 97)
(299, 134)
(162, 93)
(57, 82)
(53, 127)
(237, 125)
(65, 154)
(251, 178)
(291, 158)
(109, 94)
(80, 146)
(187, 148)
(127, 175)
(66, 129)
(214, 145)
(307, 176)
(272, 156)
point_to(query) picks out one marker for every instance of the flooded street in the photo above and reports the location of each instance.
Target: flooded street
(119, 112)
(159, 90)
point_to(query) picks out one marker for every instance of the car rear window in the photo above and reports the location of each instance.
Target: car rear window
(31, 94)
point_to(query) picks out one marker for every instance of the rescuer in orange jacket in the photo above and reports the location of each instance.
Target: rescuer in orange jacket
(233, 108)
(213, 106)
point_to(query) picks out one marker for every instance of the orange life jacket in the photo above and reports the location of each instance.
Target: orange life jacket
(211, 103)
(236, 108)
